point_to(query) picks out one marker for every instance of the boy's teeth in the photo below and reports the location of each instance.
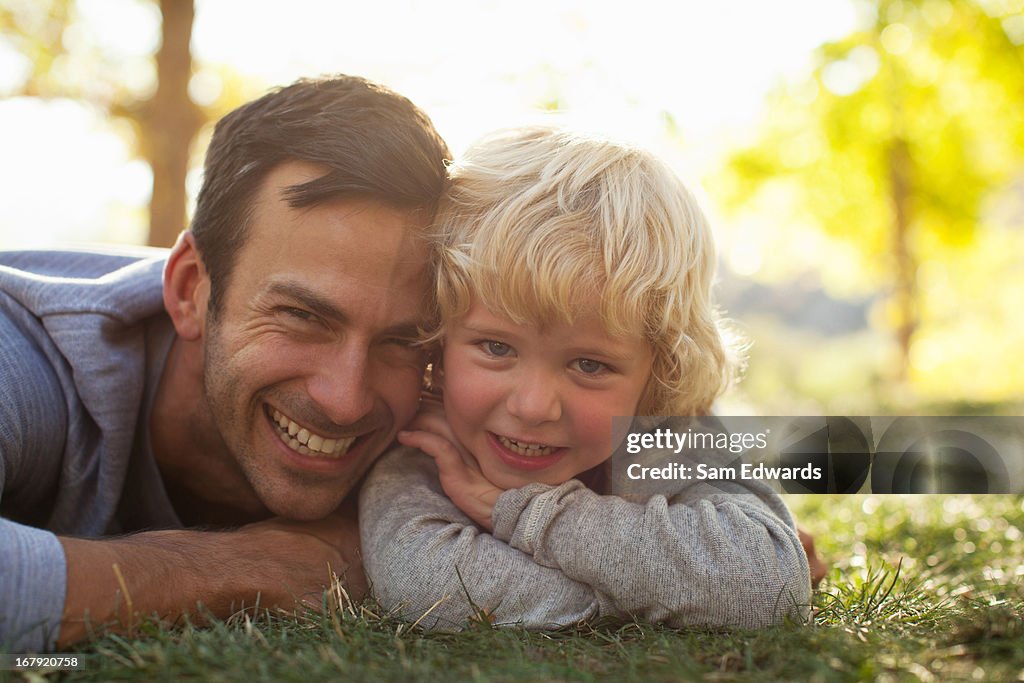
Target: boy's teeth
(301, 440)
(530, 450)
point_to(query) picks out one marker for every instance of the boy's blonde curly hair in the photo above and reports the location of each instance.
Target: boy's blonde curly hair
(538, 220)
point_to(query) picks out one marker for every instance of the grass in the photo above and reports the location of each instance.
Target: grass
(923, 588)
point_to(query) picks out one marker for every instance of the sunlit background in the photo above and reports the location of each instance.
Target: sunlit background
(863, 161)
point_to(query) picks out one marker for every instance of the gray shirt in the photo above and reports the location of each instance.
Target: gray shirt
(561, 554)
(83, 340)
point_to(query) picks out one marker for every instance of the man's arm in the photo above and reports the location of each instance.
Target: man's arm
(113, 583)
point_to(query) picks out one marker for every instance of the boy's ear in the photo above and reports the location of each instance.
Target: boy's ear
(186, 288)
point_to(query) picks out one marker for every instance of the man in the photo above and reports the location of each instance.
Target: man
(245, 381)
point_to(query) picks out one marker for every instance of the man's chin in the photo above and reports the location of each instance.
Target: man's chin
(303, 506)
(315, 493)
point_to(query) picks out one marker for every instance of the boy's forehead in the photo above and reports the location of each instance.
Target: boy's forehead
(538, 300)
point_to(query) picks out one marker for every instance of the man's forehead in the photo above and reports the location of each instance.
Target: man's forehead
(369, 226)
(348, 249)
(281, 188)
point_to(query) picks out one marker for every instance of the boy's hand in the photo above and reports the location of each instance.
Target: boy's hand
(460, 474)
(818, 567)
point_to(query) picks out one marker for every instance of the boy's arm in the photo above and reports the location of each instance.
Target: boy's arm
(702, 557)
(425, 558)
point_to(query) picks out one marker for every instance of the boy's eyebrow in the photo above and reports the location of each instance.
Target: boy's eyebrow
(602, 352)
(485, 331)
(327, 310)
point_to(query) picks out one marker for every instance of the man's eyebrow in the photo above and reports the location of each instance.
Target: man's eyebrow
(316, 303)
(404, 331)
(307, 297)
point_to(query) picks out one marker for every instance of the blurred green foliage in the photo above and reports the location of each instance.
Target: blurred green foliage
(901, 158)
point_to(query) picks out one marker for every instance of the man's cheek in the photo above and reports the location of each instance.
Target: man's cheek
(405, 393)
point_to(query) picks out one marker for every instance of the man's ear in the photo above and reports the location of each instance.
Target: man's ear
(186, 288)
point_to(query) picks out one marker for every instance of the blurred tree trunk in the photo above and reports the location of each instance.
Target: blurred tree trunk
(169, 123)
(165, 125)
(906, 268)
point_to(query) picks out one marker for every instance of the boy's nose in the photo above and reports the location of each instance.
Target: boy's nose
(535, 401)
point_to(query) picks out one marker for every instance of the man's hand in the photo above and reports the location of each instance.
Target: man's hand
(302, 557)
(458, 471)
(114, 582)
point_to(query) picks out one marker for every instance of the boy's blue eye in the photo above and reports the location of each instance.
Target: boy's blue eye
(496, 348)
(589, 367)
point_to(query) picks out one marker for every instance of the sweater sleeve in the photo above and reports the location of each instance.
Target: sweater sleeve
(428, 562)
(32, 586)
(32, 433)
(699, 557)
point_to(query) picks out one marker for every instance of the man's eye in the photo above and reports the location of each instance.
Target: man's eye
(298, 313)
(496, 348)
(589, 367)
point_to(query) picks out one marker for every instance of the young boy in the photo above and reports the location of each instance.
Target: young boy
(573, 286)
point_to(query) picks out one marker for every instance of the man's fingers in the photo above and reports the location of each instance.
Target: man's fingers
(293, 557)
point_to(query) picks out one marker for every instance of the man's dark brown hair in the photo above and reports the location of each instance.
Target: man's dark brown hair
(375, 144)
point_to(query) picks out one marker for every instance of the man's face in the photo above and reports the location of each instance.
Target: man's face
(309, 369)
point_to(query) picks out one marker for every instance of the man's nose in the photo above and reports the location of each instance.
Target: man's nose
(535, 400)
(342, 387)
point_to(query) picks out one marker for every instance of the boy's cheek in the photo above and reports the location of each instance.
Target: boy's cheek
(465, 405)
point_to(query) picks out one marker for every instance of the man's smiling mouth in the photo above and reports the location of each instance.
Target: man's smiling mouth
(305, 442)
(529, 450)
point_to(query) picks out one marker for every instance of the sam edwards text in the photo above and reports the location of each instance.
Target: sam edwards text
(704, 472)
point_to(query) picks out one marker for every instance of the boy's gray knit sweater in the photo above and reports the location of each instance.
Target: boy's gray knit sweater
(558, 555)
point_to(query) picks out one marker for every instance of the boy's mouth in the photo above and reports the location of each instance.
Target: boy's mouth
(529, 450)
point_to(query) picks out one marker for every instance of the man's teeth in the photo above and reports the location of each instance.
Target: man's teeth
(530, 450)
(301, 440)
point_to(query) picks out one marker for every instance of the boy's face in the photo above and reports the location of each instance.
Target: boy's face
(536, 405)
